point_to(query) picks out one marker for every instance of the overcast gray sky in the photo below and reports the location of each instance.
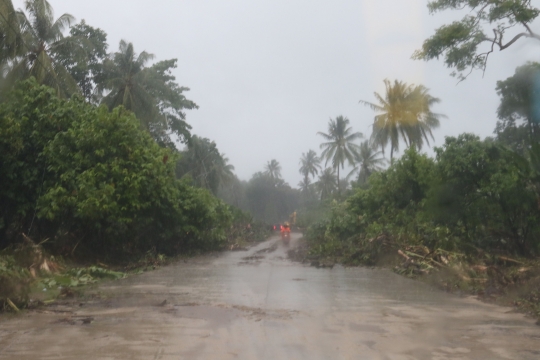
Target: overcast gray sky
(269, 74)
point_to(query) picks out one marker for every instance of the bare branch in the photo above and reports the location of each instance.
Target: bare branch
(516, 38)
(489, 52)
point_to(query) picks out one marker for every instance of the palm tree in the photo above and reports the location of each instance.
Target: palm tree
(42, 37)
(309, 165)
(225, 171)
(273, 170)
(207, 167)
(366, 161)
(304, 185)
(125, 81)
(327, 183)
(150, 92)
(339, 146)
(404, 112)
(10, 32)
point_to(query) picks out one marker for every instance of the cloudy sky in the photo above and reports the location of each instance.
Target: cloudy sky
(269, 74)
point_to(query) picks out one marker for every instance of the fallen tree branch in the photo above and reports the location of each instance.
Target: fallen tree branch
(12, 305)
(504, 258)
(404, 255)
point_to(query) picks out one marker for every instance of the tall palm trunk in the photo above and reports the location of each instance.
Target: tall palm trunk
(338, 187)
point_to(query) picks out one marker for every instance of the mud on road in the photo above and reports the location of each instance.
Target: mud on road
(257, 304)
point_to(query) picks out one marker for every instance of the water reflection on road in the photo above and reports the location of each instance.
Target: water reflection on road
(256, 304)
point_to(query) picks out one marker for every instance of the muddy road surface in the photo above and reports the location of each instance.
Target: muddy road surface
(257, 304)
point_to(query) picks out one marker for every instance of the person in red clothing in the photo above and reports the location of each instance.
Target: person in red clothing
(285, 229)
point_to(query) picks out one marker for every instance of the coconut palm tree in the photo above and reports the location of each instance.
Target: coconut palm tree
(10, 32)
(150, 92)
(366, 161)
(202, 161)
(339, 146)
(225, 171)
(327, 183)
(273, 170)
(403, 113)
(126, 82)
(41, 38)
(304, 185)
(309, 165)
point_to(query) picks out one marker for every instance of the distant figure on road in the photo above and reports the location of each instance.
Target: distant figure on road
(285, 229)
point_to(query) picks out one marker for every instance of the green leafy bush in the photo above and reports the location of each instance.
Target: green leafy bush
(474, 195)
(93, 181)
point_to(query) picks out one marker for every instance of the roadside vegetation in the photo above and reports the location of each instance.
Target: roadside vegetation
(101, 175)
(467, 219)
(100, 172)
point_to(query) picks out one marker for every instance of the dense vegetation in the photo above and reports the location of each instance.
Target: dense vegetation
(97, 159)
(89, 163)
(474, 195)
(471, 214)
(83, 175)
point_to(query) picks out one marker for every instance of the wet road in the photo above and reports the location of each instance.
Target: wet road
(256, 304)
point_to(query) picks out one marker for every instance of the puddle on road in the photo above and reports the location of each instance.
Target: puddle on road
(268, 249)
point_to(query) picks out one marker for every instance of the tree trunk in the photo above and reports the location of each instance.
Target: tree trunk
(338, 187)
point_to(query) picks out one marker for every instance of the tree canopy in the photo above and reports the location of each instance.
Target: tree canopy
(96, 177)
(520, 99)
(39, 37)
(404, 112)
(150, 92)
(273, 170)
(204, 164)
(310, 164)
(327, 183)
(366, 161)
(86, 66)
(489, 25)
(339, 146)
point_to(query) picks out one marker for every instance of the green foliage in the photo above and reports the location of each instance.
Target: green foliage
(310, 164)
(11, 44)
(483, 192)
(85, 65)
(41, 39)
(14, 281)
(313, 213)
(339, 146)
(327, 184)
(245, 230)
(150, 92)
(204, 164)
(93, 177)
(404, 112)
(366, 161)
(270, 200)
(519, 124)
(273, 170)
(474, 195)
(467, 43)
(388, 207)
